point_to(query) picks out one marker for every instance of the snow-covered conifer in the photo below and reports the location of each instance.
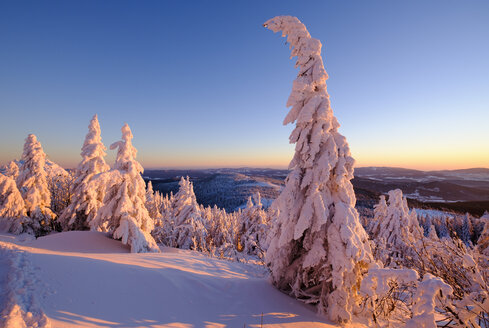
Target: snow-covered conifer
(465, 229)
(221, 231)
(254, 227)
(11, 203)
(189, 231)
(432, 233)
(396, 229)
(151, 202)
(165, 206)
(87, 194)
(380, 213)
(10, 170)
(33, 186)
(319, 250)
(12, 206)
(483, 241)
(163, 230)
(442, 228)
(124, 213)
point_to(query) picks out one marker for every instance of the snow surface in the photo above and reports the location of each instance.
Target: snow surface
(86, 279)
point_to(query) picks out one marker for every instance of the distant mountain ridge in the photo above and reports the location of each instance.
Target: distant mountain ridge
(229, 188)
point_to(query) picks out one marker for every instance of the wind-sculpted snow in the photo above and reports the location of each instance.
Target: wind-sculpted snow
(83, 287)
(318, 248)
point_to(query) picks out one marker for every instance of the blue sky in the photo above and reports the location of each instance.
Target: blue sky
(203, 84)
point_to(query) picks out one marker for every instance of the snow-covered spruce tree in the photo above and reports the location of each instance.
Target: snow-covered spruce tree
(10, 170)
(483, 241)
(380, 213)
(87, 194)
(163, 230)
(395, 229)
(12, 206)
(319, 250)
(60, 188)
(33, 186)
(124, 213)
(441, 227)
(151, 202)
(189, 231)
(254, 228)
(464, 229)
(221, 232)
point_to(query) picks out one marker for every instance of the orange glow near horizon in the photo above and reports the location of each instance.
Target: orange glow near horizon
(419, 159)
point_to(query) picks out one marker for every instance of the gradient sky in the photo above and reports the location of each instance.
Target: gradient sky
(203, 84)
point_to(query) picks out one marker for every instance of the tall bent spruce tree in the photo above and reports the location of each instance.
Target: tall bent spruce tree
(318, 249)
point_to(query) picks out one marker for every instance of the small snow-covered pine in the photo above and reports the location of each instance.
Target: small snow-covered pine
(254, 228)
(380, 213)
(221, 231)
(464, 229)
(12, 206)
(33, 186)
(483, 241)
(87, 194)
(124, 214)
(188, 230)
(164, 224)
(10, 170)
(319, 250)
(395, 229)
(151, 202)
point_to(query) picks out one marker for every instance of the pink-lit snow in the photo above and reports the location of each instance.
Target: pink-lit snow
(85, 279)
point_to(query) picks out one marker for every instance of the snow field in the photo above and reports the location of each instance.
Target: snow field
(90, 280)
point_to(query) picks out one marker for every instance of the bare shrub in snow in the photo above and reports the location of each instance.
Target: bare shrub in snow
(318, 250)
(430, 294)
(465, 271)
(389, 294)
